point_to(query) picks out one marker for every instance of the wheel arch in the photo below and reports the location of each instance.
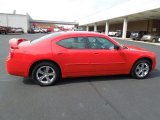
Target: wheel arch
(142, 58)
(40, 61)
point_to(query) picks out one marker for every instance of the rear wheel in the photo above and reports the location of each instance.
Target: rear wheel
(141, 69)
(46, 73)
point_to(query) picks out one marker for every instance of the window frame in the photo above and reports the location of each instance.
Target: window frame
(87, 43)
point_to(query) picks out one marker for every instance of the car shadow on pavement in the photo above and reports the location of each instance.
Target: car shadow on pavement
(155, 73)
(28, 81)
(92, 79)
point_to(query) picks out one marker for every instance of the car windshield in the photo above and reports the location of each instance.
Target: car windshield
(52, 35)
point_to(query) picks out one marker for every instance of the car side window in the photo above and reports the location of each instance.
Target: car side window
(74, 43)
(99, 43)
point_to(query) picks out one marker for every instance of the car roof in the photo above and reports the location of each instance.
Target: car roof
(80, 33)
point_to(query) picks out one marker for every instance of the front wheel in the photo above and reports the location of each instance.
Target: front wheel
(141, 69)
(46, 73)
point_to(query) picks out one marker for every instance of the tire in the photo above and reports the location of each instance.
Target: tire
(141, 69)
(153, 40)
(45, 73)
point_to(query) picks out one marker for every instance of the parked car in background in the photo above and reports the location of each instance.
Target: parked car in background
(50, 29)
(37, 30)
(154, 37)
(40, 30)
(78, 29)
(12, 30)
(19, 30)
(119, 33)
(44, 30)
(4, 30)
(76, 54)
(56, 29)
(112, 33)
(137, 35)
(30, 30)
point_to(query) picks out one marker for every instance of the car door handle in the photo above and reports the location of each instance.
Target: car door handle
(59, 53)
(96, 53)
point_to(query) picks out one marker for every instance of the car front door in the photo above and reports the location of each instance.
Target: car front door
(105, 59)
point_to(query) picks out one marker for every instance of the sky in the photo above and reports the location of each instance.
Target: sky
(57, 10)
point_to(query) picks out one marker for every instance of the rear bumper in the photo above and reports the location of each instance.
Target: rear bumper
(16, 67)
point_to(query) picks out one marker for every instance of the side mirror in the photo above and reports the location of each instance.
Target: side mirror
(116, 47)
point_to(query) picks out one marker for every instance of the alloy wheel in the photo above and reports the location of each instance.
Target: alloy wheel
(45, 74)
(142, 70)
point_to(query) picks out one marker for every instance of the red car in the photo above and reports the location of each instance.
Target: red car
(76, 54)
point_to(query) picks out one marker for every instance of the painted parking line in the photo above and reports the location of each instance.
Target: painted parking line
(136, 41)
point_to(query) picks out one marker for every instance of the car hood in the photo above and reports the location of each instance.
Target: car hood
(135, 48)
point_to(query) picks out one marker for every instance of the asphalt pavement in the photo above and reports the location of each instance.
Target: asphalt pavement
(91, 98)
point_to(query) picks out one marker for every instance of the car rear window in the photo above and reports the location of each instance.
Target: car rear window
(52, 35)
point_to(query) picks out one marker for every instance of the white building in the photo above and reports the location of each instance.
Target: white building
(134, 15)
(15, 20)
(25, 21)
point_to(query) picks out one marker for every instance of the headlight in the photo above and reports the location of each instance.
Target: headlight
(159, 39)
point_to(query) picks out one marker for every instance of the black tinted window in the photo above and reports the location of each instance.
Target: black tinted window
(74, 43)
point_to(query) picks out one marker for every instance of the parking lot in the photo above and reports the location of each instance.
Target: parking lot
(91, 98)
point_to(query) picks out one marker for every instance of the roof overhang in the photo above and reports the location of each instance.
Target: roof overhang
(54, 22)
(133, 10)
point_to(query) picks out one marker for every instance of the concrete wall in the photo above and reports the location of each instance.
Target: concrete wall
(114, 27)
(142, 25)
(13, 20)
(155, 26)
(91, 28)
(139, 25)
(101, 28)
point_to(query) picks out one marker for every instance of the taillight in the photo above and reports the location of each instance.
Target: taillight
(11, 53)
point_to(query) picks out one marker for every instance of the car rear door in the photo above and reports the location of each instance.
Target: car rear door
(74, 56)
